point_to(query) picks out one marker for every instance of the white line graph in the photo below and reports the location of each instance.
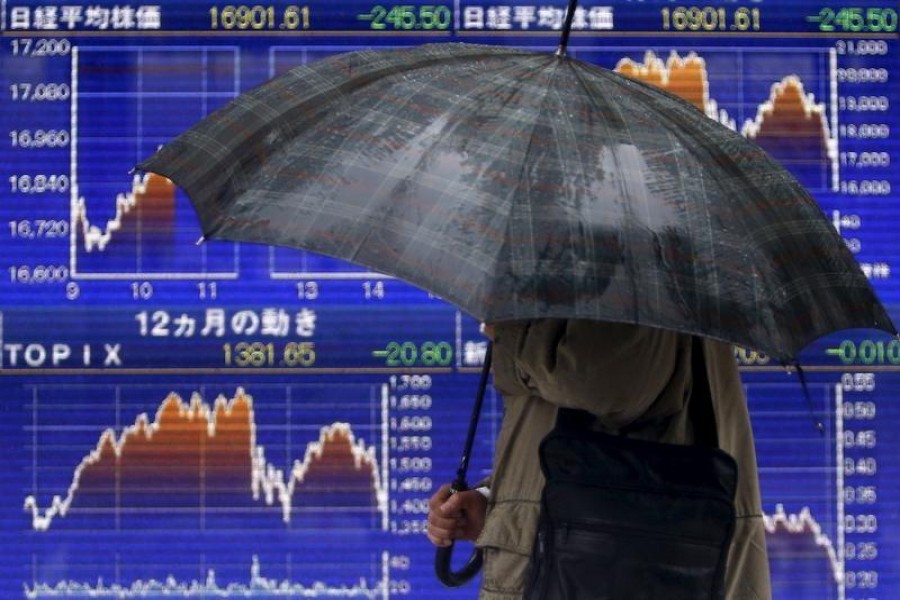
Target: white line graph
(121, 245)
(802, 482)
(752, 92)
(258, 585)
(265, 482)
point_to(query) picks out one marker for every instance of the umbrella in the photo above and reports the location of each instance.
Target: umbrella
(518, 185)
(521, 185)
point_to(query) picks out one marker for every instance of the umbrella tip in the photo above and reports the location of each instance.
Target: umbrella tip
(566, 29)
(201, 240)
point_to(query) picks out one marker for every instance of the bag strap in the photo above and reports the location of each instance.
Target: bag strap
(700, 407)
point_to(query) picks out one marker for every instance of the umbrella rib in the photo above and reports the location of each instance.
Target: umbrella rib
(519, 178)
(629, 264)
(653, 95)
(458, 107)
(586, 241)
(714, 273)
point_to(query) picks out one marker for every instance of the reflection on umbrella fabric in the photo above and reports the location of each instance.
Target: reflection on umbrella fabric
(519, 184)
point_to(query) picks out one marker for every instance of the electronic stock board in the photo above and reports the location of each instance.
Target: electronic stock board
(232, 420)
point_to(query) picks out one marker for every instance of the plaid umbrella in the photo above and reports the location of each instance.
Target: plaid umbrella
(520, 185)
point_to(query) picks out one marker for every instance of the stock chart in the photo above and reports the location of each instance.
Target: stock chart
(217, 420)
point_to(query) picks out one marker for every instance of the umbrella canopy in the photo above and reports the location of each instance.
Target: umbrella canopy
(519, 185)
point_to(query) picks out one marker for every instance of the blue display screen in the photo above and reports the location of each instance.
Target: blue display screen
(231, 420)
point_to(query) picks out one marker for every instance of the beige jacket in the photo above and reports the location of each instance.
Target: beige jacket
(627, 376)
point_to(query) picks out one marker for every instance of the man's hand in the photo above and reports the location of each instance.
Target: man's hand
(456, 517)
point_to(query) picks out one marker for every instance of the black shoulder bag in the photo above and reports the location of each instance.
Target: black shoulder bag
(627, 519)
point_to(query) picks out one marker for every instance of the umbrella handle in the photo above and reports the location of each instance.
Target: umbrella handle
(452, 578)
(443, 555)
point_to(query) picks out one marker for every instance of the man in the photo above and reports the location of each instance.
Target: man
(631, 377)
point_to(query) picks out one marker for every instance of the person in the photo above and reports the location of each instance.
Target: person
(628, 376)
